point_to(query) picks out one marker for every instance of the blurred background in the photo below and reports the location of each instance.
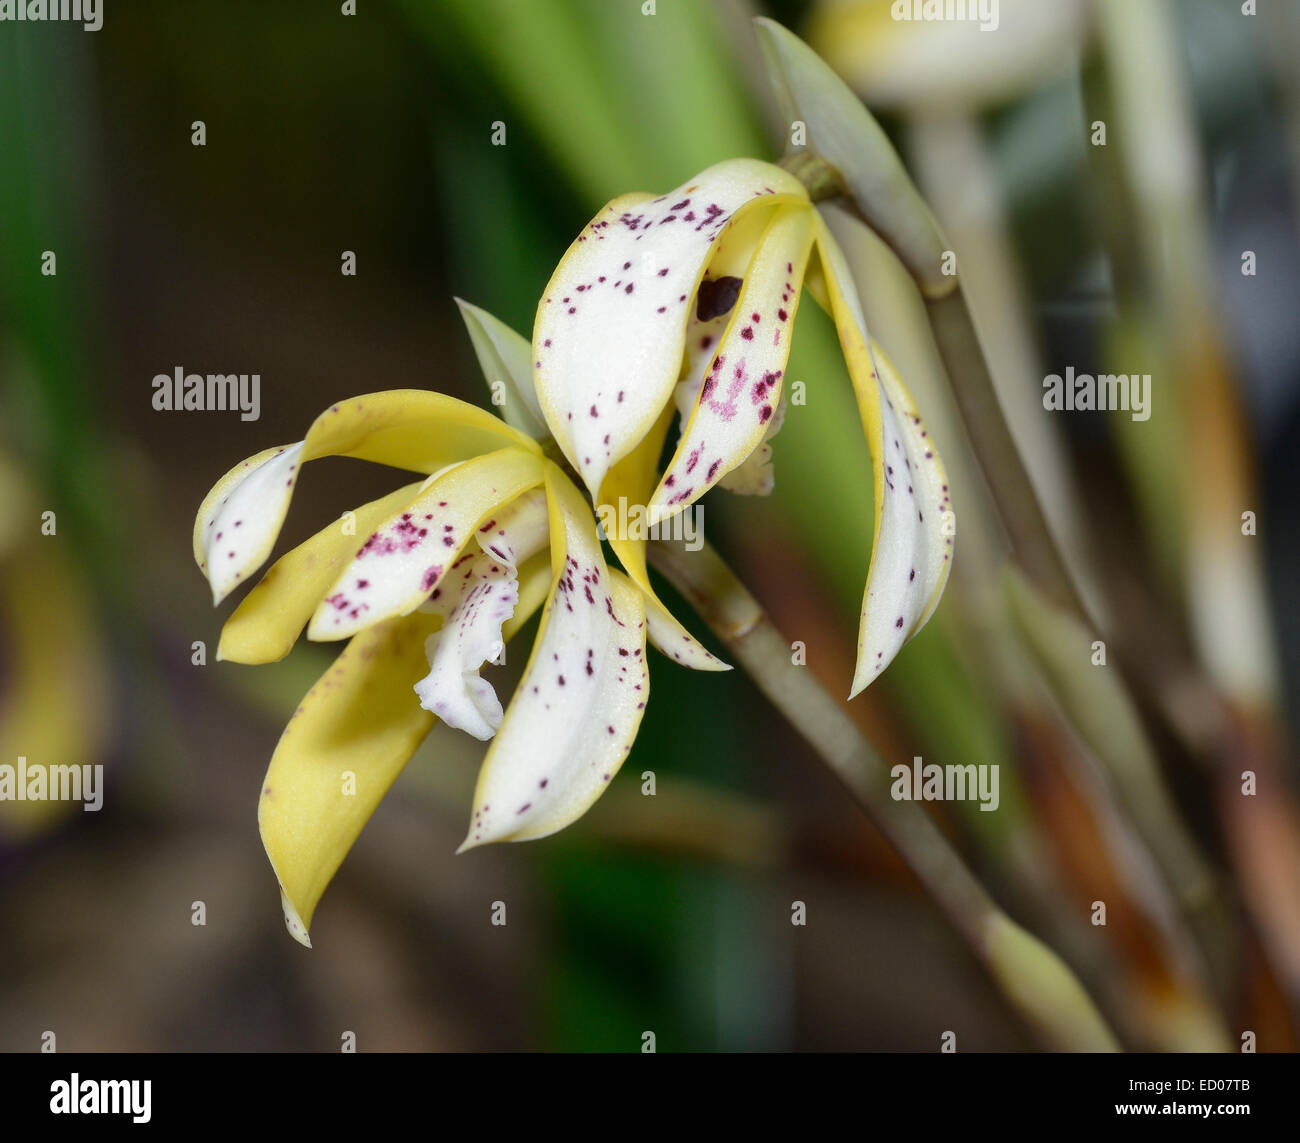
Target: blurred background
(372, 133)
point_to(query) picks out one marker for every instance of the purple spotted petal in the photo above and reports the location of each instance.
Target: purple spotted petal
(609, 336)
(241, 518)
(577, 708)
(743, 382)
(403, 561)
(914, 528)
(476, 600)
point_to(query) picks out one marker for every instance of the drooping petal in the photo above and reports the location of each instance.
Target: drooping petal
(476, 598)
(506, 359)
(405, 428)
(914, 524)
(743, 385)
(626, 489)
(269, 619)
(403, 560)
(611, 325)
(343, 748)
(241, 517)
(577, 708)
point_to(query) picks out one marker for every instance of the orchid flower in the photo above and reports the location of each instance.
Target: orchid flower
(690, 297)
(429, 582)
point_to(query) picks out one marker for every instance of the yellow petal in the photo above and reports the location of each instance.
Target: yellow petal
(343, 748)
(410, 428)
(534, 587)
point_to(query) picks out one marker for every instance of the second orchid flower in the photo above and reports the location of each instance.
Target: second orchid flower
(695, 292)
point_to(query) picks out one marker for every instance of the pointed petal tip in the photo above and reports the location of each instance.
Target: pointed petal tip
(293, 922)
(863, 676)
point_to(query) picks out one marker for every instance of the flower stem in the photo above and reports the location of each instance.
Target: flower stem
(1036, 982)
(820, 179)
(1021, 513)
(1036, 555)
(972, 384)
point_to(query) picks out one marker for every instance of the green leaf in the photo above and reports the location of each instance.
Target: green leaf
(506, 360)
(844, 133)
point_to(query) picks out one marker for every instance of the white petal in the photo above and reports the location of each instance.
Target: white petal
(610, 329)
(404, 560)
(244, 517)
(915, 526)
(521, 529)
(756, 477)
(470, 636)
(744, 379)
(576, 711)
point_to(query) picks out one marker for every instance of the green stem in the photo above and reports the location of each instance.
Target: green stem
(972, 384)
(1035, 553)
(820, 179)
(1018, 506)
(1037, 983)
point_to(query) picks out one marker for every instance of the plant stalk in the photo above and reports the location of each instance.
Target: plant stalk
(1036, 982)
(1036, 554)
